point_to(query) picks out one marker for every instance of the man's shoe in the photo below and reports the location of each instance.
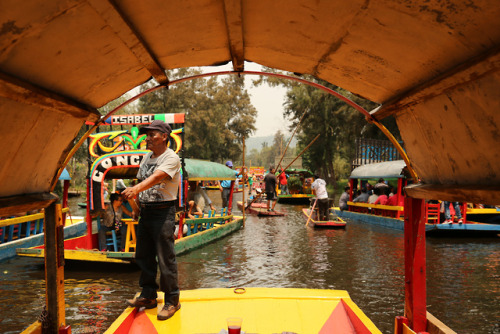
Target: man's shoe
(168, 311)
(460, 221)
(142, 302)
(448, 221)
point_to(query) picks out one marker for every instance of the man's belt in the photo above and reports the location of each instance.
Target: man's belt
(158, 205)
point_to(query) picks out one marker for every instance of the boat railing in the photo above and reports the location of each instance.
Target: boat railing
(16, 228)
(201, 224)
(394, 211)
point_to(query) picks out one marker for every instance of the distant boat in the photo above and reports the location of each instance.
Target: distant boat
(391, 216)
(299, 197)
(259, 209)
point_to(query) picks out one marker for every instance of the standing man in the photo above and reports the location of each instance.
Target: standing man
(270, 181)
(318, 188)
(225, 185)
(283, 182)
(159, 176)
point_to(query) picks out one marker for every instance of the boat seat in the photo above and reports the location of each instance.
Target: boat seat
(34, 227)
(14, 232)
(432, 213)
(111, 238)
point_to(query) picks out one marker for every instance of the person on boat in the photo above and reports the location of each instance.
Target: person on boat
(447, 215)
(270, 182)
(156, 193)
(197, 197)
(127, 205)
(381, 184)
(369, 189)
(344, 198)
(373, 198)
(283, 182)
(318, 188)
(111, 219)
(363, 197)
(382, 199)
(250, 184)
(225, 185)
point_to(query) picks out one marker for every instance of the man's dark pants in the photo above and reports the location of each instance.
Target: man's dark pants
(155, 238)
(225, 197)
(323, 209)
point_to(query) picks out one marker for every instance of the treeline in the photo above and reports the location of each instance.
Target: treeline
(219, 115)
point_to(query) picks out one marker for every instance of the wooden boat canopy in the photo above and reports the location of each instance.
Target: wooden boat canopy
(385, 170)
(433, 66)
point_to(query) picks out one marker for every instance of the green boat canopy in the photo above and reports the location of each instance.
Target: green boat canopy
(305, 172)
(386, 170)
(202, 170)
(197, 170)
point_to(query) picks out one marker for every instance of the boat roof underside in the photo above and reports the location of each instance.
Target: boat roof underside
(434, 67)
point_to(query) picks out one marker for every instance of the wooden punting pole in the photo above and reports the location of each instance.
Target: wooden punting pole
(244, 181)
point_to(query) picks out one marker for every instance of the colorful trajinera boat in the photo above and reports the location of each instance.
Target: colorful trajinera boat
(26, 229)
(300, 194)
(123, 164)
(337, 222)
(391, 216)
(59, 64)
(259, 209)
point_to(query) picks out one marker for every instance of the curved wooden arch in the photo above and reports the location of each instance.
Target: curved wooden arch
(351, 103)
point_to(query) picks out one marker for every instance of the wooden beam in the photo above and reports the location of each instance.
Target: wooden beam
(23, 203)
(234, 25)
(481, 194)
(26, 93)
(124, 29)
(451, 79)
(54, 267)
(415, 267)
(435, 326)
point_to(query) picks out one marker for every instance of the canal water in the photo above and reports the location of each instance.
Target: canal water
(463, 275)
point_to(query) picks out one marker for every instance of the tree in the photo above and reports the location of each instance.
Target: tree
(218, 113)
(337, 123)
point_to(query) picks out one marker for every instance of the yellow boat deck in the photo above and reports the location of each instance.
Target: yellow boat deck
(263, 310)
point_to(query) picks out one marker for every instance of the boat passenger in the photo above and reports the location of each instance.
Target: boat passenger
(369, 189)
(159, 175)
(381, 184)
(344, 198)
(382, 199)
(447, 214)
(319, 190)
(197, 197)
(363, 197)
(250, 184)
(111, 219)
(393, 198)
(374, 196)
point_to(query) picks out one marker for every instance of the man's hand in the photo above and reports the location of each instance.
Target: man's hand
(130, 192)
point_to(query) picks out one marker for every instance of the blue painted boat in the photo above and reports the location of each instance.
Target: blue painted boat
(392, 216)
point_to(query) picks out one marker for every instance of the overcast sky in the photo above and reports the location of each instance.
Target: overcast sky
(267, 100)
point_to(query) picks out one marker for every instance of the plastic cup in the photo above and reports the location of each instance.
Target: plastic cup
(234, 325)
